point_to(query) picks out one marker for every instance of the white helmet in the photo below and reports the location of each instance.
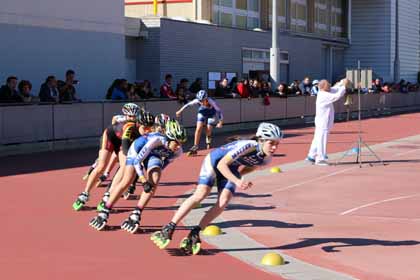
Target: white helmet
(269, 131)
(130, 109)
(201, 95)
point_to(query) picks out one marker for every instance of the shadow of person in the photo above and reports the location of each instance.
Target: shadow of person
(345, 242)
(260, 223)
(247, 195)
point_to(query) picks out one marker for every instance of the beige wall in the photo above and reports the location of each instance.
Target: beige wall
(185, 10)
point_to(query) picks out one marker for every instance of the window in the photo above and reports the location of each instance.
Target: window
(226, 19)
(281, 13)
(299, 15)
(322, 17)
(337, 18)
(237, 13)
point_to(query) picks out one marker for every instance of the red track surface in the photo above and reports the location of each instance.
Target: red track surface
(43, 237)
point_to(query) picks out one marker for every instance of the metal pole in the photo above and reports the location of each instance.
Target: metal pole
(397, 48)
(274, 51)
(155, 7)
(359, 142)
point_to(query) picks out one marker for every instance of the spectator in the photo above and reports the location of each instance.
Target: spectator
(196, 86)
(243, 89)
(222, 90)
(265, 89)
(166, 90)
(294, 88)
(403, 86)
(8, 91)
(377, 86)
(255, 89)
(314, 89)
(145, 90)
(387, 88)
(120, 90)
(180, 93)
(111, 89)
(131, 93)
(282, 90)
(48, 91)
(232, 85)
(306, 86)
(188, 94)
(25, 95)
(67, 89)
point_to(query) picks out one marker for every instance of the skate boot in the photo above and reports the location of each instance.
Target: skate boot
(103, 177)
(80, 201)
(192, 151)
(163, 237)
(208, 141)
(104, 200)
(99, 222)
(192, 243)
(132, 223)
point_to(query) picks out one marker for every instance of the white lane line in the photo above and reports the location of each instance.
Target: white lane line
(376, 203)
(406, 152)
(314, 179)
(334, 173)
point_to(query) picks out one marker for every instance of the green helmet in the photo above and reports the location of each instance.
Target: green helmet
(175, 131)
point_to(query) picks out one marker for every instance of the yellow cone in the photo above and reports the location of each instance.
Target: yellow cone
(272, 259)
(212, 230)
(275, 169)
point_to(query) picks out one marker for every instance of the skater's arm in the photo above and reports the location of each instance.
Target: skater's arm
(217, 108)
(247, 169)
(230, 157)
(191, 103)
(118, 119)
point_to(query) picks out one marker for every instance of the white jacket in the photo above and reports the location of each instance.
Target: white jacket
(324, 117)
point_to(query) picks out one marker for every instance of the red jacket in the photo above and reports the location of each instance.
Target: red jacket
(243, 90)
(166, 91)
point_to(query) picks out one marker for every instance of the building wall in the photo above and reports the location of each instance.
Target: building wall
(409, 38)
(192, 50)
(39, 43)
(144, 8)
(371, 37)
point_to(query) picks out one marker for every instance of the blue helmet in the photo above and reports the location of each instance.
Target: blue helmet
(201, 95)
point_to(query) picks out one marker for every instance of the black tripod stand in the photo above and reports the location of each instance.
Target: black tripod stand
(358, 146)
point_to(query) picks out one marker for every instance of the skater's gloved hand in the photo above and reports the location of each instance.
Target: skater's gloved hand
(142, 179)
(147, 187)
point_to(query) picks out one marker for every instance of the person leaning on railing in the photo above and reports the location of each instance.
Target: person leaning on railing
(67, 89)
(24, 94)
(8, 93)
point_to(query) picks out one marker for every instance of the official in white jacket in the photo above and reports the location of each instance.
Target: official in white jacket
(324, 118)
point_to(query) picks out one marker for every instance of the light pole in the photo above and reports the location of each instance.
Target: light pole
(274, 51)
(397, 45)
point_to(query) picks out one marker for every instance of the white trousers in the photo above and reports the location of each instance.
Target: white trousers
(318, 148)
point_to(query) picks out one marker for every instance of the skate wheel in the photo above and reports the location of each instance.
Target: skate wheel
(155, 235)
(77, 205)
(184, 243)
(163, 244)
(196, 248)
